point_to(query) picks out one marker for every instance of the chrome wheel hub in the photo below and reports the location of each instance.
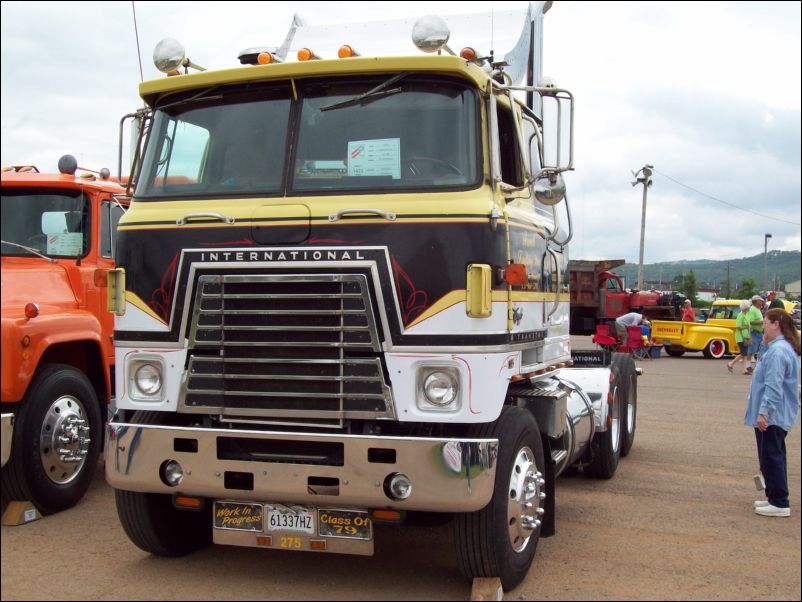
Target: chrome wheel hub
(526, 492)
(64, 441)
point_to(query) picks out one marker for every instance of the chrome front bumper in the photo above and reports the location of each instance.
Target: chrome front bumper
(7, 434)
(447, 475)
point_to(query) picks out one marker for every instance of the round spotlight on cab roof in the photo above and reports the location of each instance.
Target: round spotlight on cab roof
(430, 33)
(168, 55)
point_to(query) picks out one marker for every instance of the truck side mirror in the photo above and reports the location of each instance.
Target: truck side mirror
(558, 127)
(550, 188)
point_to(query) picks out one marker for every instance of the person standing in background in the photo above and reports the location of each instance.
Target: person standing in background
(756, 329)
(688, 315)
(742, 336)
(774, 302)
(773, 409)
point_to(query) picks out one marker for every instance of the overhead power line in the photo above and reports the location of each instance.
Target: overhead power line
(704, 194)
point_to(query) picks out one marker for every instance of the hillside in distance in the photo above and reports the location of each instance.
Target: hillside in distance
(782, 267)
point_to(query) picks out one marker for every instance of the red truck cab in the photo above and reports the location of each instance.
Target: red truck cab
(57, 350)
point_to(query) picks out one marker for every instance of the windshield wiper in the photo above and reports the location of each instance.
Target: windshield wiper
(196, 98)
(29, 249)
(377, 92)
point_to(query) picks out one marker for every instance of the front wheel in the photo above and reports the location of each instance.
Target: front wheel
(154, 525)
(501, 539)
(675, 351)
(56, 442)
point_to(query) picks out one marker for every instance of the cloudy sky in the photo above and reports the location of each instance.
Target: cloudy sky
(707, 92)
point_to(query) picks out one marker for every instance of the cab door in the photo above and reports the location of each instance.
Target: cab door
(109, 216)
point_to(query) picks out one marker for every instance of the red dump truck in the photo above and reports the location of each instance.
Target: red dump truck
(598, 295)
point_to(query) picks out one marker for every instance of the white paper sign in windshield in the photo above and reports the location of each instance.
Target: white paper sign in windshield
(380, 157)
(67, 243)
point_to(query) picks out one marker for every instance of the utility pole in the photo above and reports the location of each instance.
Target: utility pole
(645, 179)
(729, 290)
(766, 262)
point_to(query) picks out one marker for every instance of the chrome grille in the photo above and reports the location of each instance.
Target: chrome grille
(285, 347)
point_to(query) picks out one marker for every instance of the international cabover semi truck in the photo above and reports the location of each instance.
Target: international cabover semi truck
(58, 356)
(342, 300)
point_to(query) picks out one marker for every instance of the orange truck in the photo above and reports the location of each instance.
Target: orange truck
(58, 235)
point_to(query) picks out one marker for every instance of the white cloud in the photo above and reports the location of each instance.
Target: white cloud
(709, 92)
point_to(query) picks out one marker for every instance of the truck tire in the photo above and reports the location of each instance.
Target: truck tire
(675, 352)
(629, 382)
(154, 525)
(57, 440)
(501, 539)
(606, 446)
(715, 349)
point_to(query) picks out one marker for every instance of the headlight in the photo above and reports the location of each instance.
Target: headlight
(438, 388)
(145, 378)
(148, 379)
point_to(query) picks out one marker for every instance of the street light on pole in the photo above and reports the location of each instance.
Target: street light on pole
(766, 262)
(645, 179)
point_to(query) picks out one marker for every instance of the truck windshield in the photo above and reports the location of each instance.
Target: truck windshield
(49, 222)
(414, 133)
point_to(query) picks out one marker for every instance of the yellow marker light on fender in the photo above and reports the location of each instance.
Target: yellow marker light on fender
(319, 545)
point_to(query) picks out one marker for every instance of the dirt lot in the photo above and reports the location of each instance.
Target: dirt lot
(675, 523)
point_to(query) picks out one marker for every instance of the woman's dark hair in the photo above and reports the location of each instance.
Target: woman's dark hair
(787, 328)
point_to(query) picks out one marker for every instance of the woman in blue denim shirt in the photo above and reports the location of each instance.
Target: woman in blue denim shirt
(773, 408)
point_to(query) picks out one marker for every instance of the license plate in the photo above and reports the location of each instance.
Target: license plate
(290, 518)
(344, 523)
(237, 516)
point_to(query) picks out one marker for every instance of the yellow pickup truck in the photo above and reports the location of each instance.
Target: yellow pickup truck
(714, 338)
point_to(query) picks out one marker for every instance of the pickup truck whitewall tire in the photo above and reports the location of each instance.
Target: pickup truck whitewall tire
(501, 539)
(715, 349)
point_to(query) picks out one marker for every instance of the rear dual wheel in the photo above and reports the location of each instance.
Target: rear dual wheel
(607, 446)
(629, 384)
